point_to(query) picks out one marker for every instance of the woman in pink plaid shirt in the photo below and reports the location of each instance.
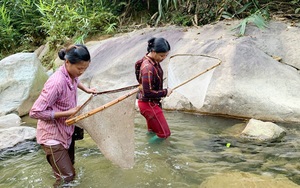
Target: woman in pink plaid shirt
(57, 101)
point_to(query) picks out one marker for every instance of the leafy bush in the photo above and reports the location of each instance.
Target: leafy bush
(251, 12)
(34, 22)
(63, 21)
(20, 21)
(30, 23)
(7, 32)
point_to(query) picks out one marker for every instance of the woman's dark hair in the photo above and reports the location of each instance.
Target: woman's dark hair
(158, 45)
(75, 54)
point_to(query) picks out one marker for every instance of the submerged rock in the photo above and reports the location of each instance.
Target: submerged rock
(21, 148)
(244, 179)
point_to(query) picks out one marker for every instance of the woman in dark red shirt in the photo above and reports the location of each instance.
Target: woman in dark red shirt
(151, 79)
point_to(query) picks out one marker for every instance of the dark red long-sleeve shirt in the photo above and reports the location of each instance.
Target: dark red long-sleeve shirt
(151, 78)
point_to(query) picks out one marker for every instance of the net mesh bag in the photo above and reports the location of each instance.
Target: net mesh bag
(109, 120)
(191, 72)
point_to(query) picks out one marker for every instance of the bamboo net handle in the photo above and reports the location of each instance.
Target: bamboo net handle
(99, 93)
(92, 112)
(117, 90)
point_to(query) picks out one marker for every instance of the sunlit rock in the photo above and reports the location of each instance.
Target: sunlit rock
(14, 135)
(262, 131)
(10, 120)
(21, 80)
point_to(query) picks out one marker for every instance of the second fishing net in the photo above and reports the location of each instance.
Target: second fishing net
(190, 75)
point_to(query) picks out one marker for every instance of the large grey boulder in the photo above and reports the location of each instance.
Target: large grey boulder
(249, 83)
(21, 79)
(281, 42)
(252, 84)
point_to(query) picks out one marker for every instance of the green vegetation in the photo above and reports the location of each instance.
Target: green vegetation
(27, 24)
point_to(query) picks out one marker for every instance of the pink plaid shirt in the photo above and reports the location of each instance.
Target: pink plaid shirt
(58, 94)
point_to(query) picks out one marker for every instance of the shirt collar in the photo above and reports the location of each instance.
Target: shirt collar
(151, 60)
(63, 69)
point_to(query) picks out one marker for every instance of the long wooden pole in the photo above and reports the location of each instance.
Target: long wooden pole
(115, 101)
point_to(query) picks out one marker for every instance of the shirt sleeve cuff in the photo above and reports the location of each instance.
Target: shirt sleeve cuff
(52, 115)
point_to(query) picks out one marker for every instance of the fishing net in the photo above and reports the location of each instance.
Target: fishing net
(109, 120)
(190, 75)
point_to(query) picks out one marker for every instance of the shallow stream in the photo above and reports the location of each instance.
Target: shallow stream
(198, 148)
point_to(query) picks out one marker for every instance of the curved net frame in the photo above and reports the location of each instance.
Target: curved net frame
(109, 120)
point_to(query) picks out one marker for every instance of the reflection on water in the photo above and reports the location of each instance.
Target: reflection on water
(196, 150)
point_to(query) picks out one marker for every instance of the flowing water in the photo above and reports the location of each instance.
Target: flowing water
(196, 150)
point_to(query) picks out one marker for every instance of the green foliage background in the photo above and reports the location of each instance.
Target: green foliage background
(27, 24)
